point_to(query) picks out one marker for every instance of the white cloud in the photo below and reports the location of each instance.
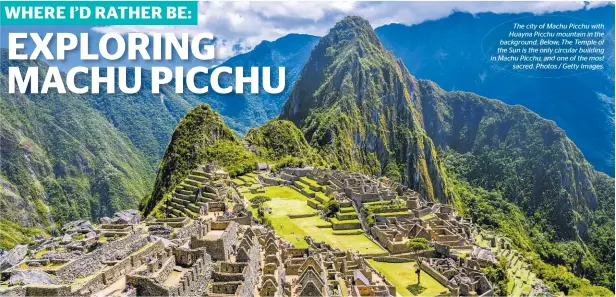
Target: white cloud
(239, 26)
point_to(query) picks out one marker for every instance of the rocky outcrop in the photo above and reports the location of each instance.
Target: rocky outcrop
(80, 226)
(129, 216)
(13, 257)
(29, 277)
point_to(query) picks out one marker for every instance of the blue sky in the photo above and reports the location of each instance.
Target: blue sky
(239, 26)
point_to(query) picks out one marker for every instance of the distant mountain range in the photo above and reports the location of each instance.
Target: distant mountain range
(449, 52)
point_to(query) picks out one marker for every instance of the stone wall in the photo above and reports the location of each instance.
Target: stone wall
(111, 274)
(298, 171)
(48, 290)
(147, 286)
(15, 291)
(242, 219)
(269, 180)
(251, 273)
(294, 252)
(313, 204)
(219, 249)
(93, 285)
(433, 273)
(91, 262)
(191, 229)
(165, 270)
(188, 257)
(422, 212)
(346, 226)
(139, 258)
(193, 281)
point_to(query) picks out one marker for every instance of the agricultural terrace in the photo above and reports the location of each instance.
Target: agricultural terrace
(295, 215)
(521, 278)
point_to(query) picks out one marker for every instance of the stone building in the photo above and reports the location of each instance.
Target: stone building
(459, 279)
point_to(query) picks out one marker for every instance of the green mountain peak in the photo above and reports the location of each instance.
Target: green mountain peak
(353, 102)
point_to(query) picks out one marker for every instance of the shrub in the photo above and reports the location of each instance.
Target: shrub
(497, 274)
(332, 207)
(418, 244)
(258, 201)
(416, 289)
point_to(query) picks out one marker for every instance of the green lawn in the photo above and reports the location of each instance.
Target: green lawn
(279, 192)
(287, 229)
(286, 200)
(359, 242)
(402, 275)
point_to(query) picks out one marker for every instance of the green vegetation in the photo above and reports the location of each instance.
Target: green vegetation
(402, 275)
(561, 280)
(503, 166)
(498, 276)
(491, 211)
(62, 159)
(286, 201)
(375, 131)
(416, 289)
(12, 234)
(278, 139)
(258, 201)
(532, 173)
(418, 244)
(332, 207)
(200, 137)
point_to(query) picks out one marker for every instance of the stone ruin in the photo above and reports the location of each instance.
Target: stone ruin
(201, 192)
(459, 278)
(141, 259)
(202, 248)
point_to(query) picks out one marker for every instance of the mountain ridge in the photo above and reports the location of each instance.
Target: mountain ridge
(451, 53)
(349, 123)
(341, 104)
(61, 160)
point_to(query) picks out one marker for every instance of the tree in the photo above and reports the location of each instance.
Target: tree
(497, 274)
(258, 201)
(418, 244)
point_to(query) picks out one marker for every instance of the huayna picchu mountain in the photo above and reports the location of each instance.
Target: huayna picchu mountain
(353, 101)
(363, 111)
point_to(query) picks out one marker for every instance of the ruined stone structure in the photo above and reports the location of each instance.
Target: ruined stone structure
(157, 257)
(460, 279)
(208, 245)
(200, 192)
